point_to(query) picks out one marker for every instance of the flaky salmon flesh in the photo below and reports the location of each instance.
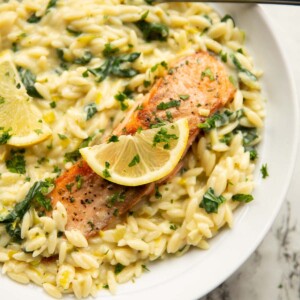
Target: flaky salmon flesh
(201, 84)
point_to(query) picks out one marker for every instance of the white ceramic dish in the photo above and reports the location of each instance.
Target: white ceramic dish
(198, 272)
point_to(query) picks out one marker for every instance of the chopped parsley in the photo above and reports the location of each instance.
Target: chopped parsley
(16, 162)
(216, 120)
(169, 115)
(105, 173)
(34, 19)
(145, 15)
(210, 202)
(223, 56)
(113, 139)
(56, 169)
(62, 136)
(134, 161)
(61, 56)
(42, 160)
(146, 83)
(79, 181)
(119, 268)
(264, 171)
(116, 197)
(173, 227)
(242, 198)
(52, 104)
(121, 97)
(166, 105)
(157, 194)
(162, 136)
(145, 268)
(208, 73)
(92, 225)
(90, 110)
(69, 186)
(109, 50)
(4, 137)
(184, 97)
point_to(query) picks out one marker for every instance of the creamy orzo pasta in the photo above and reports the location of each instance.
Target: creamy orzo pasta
(57, 47)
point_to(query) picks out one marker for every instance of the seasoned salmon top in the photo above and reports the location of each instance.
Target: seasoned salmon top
(194, 87)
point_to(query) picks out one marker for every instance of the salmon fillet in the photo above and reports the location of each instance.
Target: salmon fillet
(194, 87)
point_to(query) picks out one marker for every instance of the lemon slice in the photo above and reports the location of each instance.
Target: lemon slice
(146, 157)
(18, 114)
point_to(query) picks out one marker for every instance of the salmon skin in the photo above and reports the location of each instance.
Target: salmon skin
(194, 87)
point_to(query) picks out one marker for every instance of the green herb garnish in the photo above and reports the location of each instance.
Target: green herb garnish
(184, 97)
(208, 73)
(119, 268)
(4, 137)
(153, 31)
(121, 97)
(113, 67)
(52, 104)
(85, 59)
(109, 50)
(264, 171)
(166, 105)
(223, 56)
(62, 136)
(113, 139)
(240, 68)
(105, 173)
(134, 161)
(16, 162)
(162, 136)
(217, 120)
(35, 196)
(90, 110)
(242, 198)
(75, 155)
(29, 79)
(34, 19)
(116, 197)
(210, 202)
(73, 32)
(79, 181)
(228, 17)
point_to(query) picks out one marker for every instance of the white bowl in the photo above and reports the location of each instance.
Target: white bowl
(198, 272)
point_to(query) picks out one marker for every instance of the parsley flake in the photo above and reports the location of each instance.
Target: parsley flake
(134, 161)
(113, 139)
(264, 171)
(242, 198)
(166, 105)
(210, 202)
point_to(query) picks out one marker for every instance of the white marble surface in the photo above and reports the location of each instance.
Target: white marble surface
(273, 271)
